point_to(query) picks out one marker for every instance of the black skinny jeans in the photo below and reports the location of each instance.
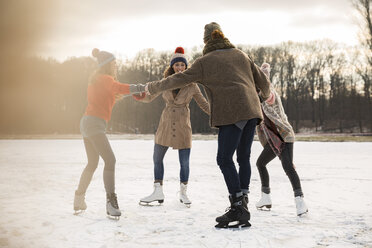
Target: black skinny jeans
(96, 146)
(268, 155)
(230, 139)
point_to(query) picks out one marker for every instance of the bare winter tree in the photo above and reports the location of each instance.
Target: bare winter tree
(365, 71)
(363, 7)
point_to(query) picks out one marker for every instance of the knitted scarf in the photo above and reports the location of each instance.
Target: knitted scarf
(216, 44)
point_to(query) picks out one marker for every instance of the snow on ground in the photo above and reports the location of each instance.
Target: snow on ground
(38, 179)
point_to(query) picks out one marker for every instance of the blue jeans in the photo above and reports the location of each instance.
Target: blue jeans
(184, 158)
(231, 139)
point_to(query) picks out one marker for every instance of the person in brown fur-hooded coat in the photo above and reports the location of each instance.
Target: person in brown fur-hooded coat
(230, 79)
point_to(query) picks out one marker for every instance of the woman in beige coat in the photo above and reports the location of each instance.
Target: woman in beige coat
(174, 129)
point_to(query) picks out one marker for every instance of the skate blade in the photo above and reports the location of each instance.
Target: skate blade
(113, 217)
(264, 208)
(303, 214)
(188, 205)
(237, 226)
(151, 204)
(78, 212)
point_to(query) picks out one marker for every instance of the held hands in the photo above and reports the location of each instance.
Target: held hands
(136, 88)
(139, 96)
(138, 91)
(139, 88)
(271, 99)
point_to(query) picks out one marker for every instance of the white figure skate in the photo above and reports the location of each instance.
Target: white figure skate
(183, 196)
(300, 206)
(265, 202)
(157, 195)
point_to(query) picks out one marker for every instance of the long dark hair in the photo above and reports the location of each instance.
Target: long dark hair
(170, 71)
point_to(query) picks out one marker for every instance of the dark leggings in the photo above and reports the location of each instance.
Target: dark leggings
(95, 146)
(268, 155)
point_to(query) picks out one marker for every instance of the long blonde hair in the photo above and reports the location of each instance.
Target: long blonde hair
(102, 70)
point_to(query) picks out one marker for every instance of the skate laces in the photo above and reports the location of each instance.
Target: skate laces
(183, 189)
(230, 209)
(234, 206)
(113, 200)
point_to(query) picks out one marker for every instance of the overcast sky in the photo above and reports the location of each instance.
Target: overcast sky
(126, 27)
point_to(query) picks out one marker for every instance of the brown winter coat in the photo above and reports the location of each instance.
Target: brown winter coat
(230, 79)
(174, 128)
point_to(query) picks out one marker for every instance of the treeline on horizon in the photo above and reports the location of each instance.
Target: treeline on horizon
(324, 86)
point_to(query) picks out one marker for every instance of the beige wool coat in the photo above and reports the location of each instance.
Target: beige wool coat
(230, 79)
(174, 128)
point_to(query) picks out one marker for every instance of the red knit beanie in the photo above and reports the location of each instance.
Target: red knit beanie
(178, 56)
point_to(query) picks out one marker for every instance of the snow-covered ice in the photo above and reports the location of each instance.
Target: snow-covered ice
(38, 179)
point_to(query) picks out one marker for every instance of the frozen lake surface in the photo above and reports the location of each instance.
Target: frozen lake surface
(38, 179)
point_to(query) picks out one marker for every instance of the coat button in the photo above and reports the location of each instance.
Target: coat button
(174, 123)
(174, 110)
(174, 129)
(174, 135)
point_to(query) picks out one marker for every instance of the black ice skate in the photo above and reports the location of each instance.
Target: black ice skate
(237, 215)
(112, 207)
(246, 199)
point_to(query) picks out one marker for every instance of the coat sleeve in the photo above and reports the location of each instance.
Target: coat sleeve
(200, 100)
(261, 81)
(119, 88)
(177, 80)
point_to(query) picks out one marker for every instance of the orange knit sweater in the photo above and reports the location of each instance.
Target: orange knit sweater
(101, 96)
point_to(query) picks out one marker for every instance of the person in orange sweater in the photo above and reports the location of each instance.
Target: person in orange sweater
(102, 92)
